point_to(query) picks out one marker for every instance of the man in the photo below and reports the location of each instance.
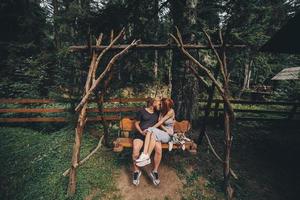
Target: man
(146, 118)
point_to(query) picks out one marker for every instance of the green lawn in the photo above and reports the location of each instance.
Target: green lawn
(32, 164)
(264, 156)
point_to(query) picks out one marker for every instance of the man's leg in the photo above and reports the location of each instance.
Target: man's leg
(137, 146)
(157, 156)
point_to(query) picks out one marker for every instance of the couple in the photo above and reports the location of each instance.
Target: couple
(154, 125)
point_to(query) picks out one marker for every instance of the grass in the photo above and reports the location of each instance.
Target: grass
(264, 156)
(32, 163)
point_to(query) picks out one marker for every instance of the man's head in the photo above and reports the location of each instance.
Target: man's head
(154, 102)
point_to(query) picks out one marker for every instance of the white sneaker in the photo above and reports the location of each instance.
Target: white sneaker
(142, 157)
(143, 163)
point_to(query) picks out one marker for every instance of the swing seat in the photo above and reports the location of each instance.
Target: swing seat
(127, 125)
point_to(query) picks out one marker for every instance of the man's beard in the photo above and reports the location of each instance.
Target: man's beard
(157, 109)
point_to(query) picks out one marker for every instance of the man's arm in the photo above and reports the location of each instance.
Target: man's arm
(138, 128)
(138, 121)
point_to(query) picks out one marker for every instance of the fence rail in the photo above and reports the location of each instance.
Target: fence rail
(33, 101)
(113, 113)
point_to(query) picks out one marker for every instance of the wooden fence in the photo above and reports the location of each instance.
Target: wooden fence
(289, 110)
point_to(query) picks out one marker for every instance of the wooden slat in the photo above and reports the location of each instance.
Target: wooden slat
(264, 119)
(126, 100)
(27, 101)
(282, 119)
(60, 110)
(107, 118)
(54, 119)
(127, 143)
(117, 109)
(33, 119)
(261, 111)
(33, 110)
(282, 103)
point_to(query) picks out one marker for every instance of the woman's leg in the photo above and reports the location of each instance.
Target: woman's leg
(151, 144)
(147, 141)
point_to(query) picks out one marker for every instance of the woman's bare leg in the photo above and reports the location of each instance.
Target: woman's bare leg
(151, 144)
(147, 141)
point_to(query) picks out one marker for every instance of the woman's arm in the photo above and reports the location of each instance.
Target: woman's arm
(165, 118)
(163, 128)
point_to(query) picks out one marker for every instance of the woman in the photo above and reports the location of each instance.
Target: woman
(160, 132)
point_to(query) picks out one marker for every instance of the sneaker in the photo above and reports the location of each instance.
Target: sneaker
(155, 178)
(170, 146)
(143, 163)
(142, 157)
(136, 178)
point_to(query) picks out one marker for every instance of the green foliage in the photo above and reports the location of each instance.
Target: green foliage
(24, 44)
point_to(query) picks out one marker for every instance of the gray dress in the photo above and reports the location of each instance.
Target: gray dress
(161, 135)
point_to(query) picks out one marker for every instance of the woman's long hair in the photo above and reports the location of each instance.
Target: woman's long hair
(167, 105)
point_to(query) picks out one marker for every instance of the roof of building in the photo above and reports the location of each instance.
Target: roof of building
(292, 73)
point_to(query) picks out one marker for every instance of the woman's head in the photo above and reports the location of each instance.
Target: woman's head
(166, 105)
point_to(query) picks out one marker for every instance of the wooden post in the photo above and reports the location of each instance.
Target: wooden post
(101, 108)
(228, 121)
(227, 149)
(76, 150)
(292, 112)
(207, 111)
(90, 86)
(78, 133)
(224, 92)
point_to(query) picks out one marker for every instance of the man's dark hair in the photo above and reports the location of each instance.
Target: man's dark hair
(150, 101)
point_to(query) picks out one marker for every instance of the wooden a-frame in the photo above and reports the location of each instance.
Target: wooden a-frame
(92, 82)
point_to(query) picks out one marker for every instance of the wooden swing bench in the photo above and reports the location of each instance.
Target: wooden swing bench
(127, 125)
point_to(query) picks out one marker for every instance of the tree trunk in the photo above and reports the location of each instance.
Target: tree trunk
(155, 66)
(170, 56)
(247, 75)
(156, 25)
(184, 85)
(55, 25)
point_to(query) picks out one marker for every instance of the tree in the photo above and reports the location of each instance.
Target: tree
(184, 85)
(24, 63)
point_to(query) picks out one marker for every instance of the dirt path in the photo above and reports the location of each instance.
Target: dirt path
(169, 188)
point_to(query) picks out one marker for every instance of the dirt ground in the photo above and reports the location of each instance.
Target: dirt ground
(169, 187)
(264, 156)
